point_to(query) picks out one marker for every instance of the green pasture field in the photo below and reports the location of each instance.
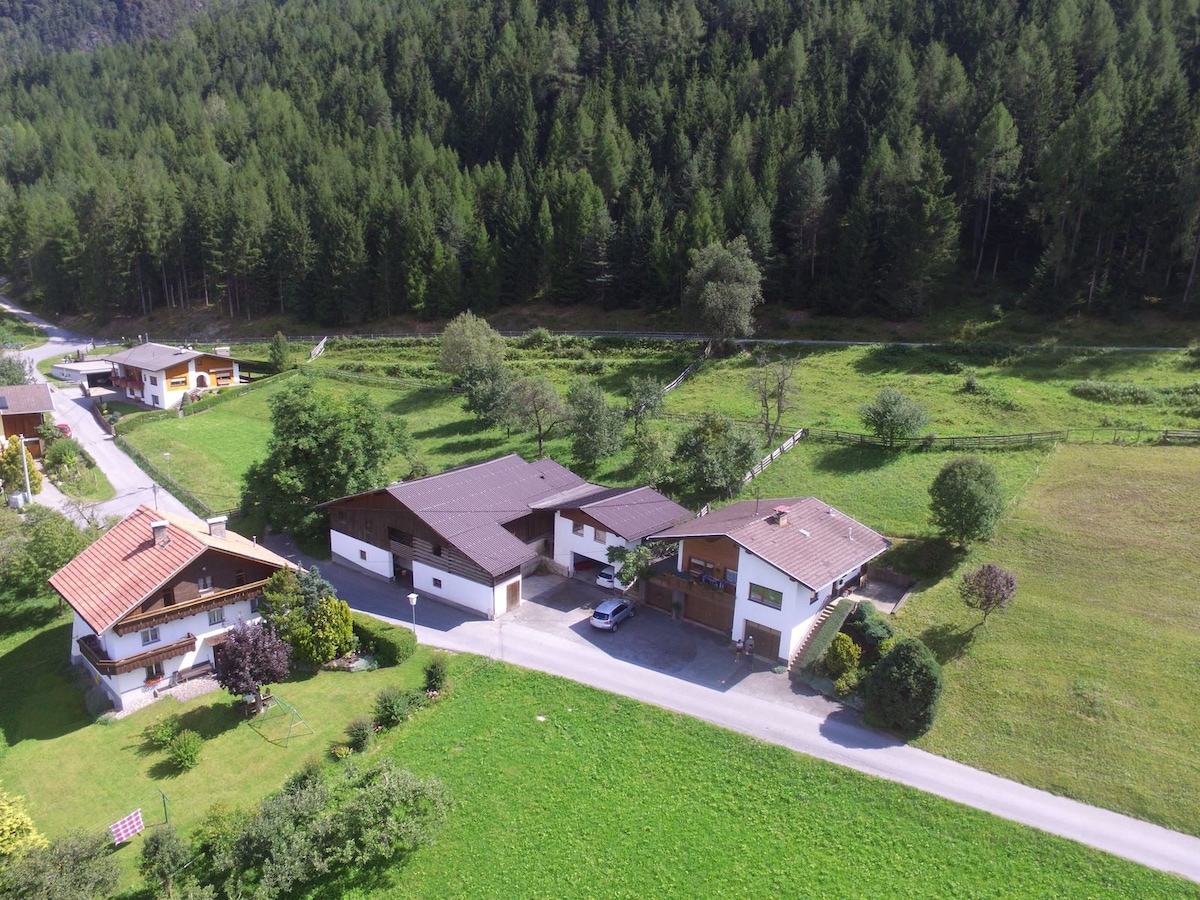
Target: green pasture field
(15, 330)
(1086, 686)
(1018, 393)
(887, 490)
(91, 486)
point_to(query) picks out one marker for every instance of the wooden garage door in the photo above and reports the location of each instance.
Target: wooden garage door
(711, 609)
(766, 640)
(514, 596)
(658, 596)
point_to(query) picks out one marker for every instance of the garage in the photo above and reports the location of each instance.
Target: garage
(658, 596)
(766, 640)
(712, 609)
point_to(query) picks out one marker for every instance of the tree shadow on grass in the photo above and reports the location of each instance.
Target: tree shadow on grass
(844, 460)
(948, 642)
(419, 400)
(39, 699)
(924, 559)
(211, 720)
(16, 616)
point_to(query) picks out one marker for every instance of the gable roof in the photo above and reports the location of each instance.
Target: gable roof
(20, 399)
(124, 565)
(469, 505)
(631, 513)
(817, 544)
(154, 357)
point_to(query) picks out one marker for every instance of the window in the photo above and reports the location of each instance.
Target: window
(204, 583)
(577, 528)
(216, 616)
(731, 576)
(154, 672)
(766, 596)
(154, 399)
(254, 601)
(437, 582)
(362, 554)
(437, 549)
(698, 568)
(150, 636)
(179, 381)
(153, 379)
(600, 535)
(239, 577)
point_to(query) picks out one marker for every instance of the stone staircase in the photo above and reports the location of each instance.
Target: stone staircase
(816, 626)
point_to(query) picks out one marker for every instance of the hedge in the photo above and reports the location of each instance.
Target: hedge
(823, 636)
(390, 644)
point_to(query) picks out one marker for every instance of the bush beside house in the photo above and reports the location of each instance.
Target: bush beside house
(389, 644)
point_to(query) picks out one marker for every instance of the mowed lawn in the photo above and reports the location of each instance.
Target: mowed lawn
(601, 797)
(884, 489)
(1087, 685)
(564, 791)
(1022, 393)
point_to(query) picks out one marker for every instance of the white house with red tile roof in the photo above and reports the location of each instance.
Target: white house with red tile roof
(766, 568)
(154, 596)
(469, 535)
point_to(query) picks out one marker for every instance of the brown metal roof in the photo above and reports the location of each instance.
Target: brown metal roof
(20, 399)
(468, 506)
(634, 513)
(816, 545)
(123, 567)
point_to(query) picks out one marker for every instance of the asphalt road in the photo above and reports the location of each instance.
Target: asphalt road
(836, 738)
(133, 486)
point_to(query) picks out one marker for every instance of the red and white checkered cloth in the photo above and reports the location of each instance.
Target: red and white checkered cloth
(127, 827)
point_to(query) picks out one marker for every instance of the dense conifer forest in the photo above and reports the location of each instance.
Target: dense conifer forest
(346, 161)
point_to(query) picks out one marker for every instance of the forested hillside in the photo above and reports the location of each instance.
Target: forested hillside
(345, 161)
(28, 27)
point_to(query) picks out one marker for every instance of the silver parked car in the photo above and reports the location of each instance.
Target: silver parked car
(611, 613)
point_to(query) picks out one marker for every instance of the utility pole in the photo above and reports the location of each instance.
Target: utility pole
(25, 470)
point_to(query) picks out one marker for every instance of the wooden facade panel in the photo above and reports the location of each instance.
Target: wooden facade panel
(380, 519)
(720, 551)
(227, 572)
(536, 526)
(710, 609)
(23, 423)
(658, 596)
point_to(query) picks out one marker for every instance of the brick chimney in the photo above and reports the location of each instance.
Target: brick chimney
(216, 526)
(159, 530)
(781, 514)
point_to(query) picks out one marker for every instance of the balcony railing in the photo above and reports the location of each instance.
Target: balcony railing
(137, 622)
(89, 646)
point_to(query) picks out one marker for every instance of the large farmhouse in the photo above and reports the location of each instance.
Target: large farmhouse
(468, 535)
(159, 375)
(764, 568)
(154, 596)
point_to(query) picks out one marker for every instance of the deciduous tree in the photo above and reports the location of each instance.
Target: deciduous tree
(537, 405)
(903, 689)
(12, 471)
(713, 457)
(163, 857)
(643, 400)
(254, 657)
(774, 384)
(988, 589)
(469, 342)
(595, 425)
(891, 416)
(79, 866)
(724, 286)
(966, 501)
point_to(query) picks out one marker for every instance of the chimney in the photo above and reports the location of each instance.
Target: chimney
(781, 513)
(221, 351)
(216, 526)
(159, 530)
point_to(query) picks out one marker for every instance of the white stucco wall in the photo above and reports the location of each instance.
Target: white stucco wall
(120, 646)
(455, 589)
(567, 543)
(786, 619)
(500, 597)
(350, 550)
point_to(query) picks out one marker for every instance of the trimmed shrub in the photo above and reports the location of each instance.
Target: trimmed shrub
(435, 671)
(870, 628)
(1114, 392)
(842, 656)
(184, 749)
(848, 683)
(360, 732)
(902, 691)
(161, 732)
(389, 644)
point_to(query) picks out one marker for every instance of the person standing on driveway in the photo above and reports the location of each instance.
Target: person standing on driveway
(750, 650)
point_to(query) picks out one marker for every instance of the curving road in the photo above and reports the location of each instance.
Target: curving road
(133, 486)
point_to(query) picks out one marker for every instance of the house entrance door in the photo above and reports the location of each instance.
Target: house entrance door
(514, 595)
(219, 657)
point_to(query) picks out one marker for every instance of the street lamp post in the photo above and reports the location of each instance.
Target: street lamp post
(25, 470)
(412, 602)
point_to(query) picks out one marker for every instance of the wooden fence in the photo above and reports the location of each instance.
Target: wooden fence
(1009, 441)
(773, 455)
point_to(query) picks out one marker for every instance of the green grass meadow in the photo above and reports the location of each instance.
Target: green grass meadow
(1086, 686)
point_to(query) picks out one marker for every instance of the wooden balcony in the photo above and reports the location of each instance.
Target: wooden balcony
(164, 614)
(679, 581)
(89, 646)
